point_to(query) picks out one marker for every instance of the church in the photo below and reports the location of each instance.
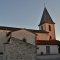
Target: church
(44, 39)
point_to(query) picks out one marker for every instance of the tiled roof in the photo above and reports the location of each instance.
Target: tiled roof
(37, 31)
(9, 28)
(45, 42)
(46, 18)
(15, 29)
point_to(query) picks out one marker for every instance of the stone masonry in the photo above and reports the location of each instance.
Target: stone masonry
(18, 50)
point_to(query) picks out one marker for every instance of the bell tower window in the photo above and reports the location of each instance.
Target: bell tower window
(49, 28)
(50, 37)
(41, 27)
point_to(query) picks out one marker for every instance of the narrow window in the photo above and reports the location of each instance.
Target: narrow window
(50, 37)
(41, 27)
(49, 28)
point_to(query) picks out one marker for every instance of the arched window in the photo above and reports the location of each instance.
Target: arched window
(49, 28)
(50, 37)
(24, 39)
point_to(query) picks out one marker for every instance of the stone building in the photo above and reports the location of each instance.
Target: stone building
(19, 50)
(44, 38)
(49, 45)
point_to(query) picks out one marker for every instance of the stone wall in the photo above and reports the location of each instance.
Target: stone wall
(46, 28)
(21, 34)
(3, 39)
(42, 36)
(19, 50)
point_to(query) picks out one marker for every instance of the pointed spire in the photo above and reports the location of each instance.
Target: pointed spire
(46, 17)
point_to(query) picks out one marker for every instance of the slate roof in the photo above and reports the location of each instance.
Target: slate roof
(46, 18)
(45, 42)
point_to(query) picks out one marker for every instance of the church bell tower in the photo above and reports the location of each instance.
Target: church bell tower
(47, 24)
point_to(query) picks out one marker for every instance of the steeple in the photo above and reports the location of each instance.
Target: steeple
(46, 18)
(47, 24)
